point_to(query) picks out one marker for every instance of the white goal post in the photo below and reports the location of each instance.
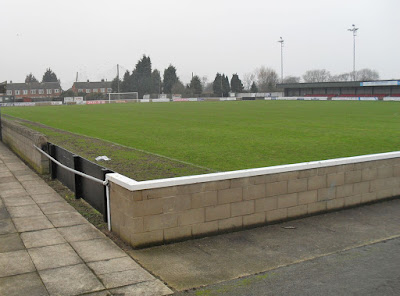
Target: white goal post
(124, 97)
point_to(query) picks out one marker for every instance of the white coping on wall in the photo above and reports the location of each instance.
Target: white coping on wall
(133, 185)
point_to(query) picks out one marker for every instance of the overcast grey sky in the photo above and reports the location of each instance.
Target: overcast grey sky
(204, 37)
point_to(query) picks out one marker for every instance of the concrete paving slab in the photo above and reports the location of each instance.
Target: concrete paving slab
(33, 251)
(100, 293)
(18, 201)
(114, 265)
(56, 207)
(97, 250)
(66, 219)
(70, 280)
(40, 189)
(5, 174)
(9, 158)
(23, 284)
(15, 165)
(7, 179)
(47, 197)
(210, 260)
(10, 185)
(25, 211)
(32, 183)
(80, 232)
(16, 262)
(13, 193)
(7, 226)
(10, 242)
(123, 278)
(4, 214)
(153, 288)
(41, 238)
(54, 256)
(30, 177)
(23, 172)
(32, 223)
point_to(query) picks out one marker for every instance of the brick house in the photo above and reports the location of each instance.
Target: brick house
(3, 87)
(33, 91)
(103, 87)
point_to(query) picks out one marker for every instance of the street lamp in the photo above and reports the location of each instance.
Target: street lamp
(281, 41)
(354, 30)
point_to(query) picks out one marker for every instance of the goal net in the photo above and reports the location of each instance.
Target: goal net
(126, 97)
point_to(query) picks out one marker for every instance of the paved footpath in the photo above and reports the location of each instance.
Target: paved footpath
(368, 270)
(48, 248)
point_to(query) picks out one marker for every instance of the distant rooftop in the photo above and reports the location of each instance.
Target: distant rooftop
(393, 82)
(95, 84)
(33, 85)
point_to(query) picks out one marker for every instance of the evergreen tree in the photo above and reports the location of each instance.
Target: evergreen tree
(254, 88)
(236, 84)
(195, 85)
(68, 93)
(217, 85)
(156, 82)
(126, 82)
(49, 76)
(95, 96)
(226, 88)
(170, 78)
(114, 84)
(141, 76)
(30, 78)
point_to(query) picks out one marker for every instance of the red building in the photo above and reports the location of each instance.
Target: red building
(33, 91)
(103, 87)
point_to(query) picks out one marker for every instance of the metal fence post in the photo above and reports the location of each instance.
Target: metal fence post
(105, 172)
(78, 179)
(53, 167)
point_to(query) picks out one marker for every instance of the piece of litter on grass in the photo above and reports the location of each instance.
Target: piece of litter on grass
(105, 158)
(288, 227)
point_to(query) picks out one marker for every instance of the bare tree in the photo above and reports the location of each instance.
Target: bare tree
(248, 79)
(267, 79)
(360, 75)
(341, 77)
(318, 75)
(366, 74)
(291, 79)
(30, 78)
(208, 88)
(204, 81)
(178, 88)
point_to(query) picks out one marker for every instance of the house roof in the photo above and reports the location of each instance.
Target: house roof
(33, 85)
(91, 85)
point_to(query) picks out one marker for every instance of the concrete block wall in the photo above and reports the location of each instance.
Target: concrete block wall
(173, 211)
(22, 140)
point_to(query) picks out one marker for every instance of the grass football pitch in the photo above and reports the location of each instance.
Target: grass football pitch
(225, 136)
